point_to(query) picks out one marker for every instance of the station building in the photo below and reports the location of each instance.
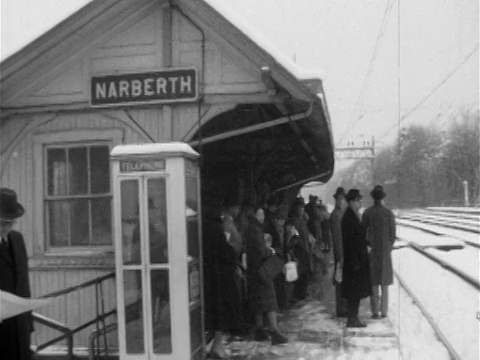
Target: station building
(144, 71)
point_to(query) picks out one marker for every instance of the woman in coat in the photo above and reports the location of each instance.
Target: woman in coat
(356, 271)
(379, 222)
(222, 301)
(303, 250)
(261, 295)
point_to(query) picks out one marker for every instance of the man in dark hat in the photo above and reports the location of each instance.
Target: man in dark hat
(356, 271)
(336, 229)
(379, 223)
(15, 331)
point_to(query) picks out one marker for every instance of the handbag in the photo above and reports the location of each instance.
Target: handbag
(290, 270)
(270, 268)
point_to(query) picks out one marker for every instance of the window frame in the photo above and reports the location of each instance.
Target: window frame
(64, 140)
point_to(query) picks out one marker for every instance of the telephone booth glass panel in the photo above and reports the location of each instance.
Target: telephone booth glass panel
(132, 273)
(130, 222)
(158, 265)
(157, 221)
(134, 335)
(162, 332)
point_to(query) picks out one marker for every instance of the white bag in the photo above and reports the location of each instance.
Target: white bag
(339, 273)
(290, 271)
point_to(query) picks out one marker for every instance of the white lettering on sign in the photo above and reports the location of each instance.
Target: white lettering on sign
(161, 86)
(157, 86)
(185, 83)
(112, 90)
(123, 88)
(142, 165)
(101, 90)
(173, 82)
(136, 87)
(147, 84)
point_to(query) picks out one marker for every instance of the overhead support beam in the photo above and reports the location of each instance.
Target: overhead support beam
(253, 128)
(302, 182)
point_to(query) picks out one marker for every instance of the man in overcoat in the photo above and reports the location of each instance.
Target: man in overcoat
(356, 272)
(15, 331)
(336, 228)
(379, 223)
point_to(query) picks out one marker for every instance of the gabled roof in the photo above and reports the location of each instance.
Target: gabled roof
(83, 30)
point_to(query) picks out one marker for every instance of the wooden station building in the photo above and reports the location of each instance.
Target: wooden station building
(140, 71)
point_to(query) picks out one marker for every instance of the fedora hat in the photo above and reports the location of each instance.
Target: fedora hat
(9, 206)
(353, 194)
(377, 193)
(340, 192)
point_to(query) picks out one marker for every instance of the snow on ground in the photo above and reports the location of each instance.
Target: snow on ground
(451, 302)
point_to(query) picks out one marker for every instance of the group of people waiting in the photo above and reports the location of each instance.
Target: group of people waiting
(362, 252)
(239, 240)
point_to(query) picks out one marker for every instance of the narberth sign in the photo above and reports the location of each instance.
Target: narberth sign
(141, 88)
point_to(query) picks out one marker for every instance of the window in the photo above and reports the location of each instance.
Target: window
(78, 195)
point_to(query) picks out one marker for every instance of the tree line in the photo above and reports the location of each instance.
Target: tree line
(427, 166)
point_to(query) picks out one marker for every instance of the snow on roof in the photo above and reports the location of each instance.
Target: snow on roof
(170, 148)
(273, 50)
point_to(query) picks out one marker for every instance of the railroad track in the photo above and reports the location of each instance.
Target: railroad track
(444, 284)
(468, 220)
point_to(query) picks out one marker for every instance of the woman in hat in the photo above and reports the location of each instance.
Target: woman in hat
(15, 331)
(356, 273)
(379, 223)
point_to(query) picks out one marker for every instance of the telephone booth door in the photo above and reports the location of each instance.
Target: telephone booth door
(158, 252)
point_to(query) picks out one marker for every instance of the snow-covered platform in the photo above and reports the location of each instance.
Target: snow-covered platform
(315, 333)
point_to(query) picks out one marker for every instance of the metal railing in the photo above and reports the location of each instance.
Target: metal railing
(68, 333)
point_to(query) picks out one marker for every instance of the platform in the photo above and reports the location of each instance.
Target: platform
(315, 333)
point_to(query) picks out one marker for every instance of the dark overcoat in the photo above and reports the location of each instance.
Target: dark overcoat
(303, 249)
(356, 271)
(261, 296)
(222, 300)
(379, 223)
(15, 332)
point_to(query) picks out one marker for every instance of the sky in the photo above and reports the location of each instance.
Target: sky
(366, 95)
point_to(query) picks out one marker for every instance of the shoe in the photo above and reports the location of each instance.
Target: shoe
(277, 338)
(383, 316)
(375, 316)
(261, 335)
(355, 323)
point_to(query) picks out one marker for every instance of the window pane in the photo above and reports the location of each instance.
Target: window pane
(56, 172)
(192, 237)
(79, 222)
(99, 169)
(132, 287)
(102, 221)
(78, 179)
(162, 332)
(157, 220)
(130, 222)
(58, 222)
(192, 194)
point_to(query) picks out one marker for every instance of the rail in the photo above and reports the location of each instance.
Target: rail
(461, 274)
(454, 355)
(68, 333)
(433, 232)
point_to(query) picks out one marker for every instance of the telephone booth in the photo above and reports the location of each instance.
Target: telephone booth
(158, 251)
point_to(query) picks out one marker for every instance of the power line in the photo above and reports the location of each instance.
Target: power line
(420, 103)
(366, 81)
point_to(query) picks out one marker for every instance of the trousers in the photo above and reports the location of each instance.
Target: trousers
(353, 305)
(379, 303)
